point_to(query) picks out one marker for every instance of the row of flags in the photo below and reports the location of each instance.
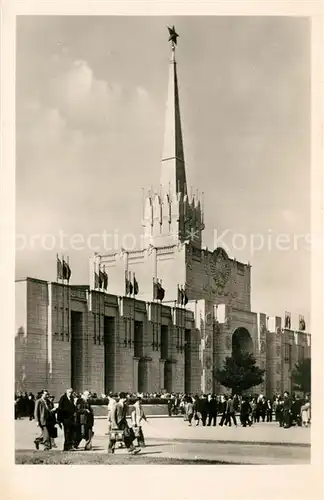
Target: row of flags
(182, 296)
(63, 270)
(158, 290)
(63, 273)
(131, 284)
(302, 323)
(101, 279)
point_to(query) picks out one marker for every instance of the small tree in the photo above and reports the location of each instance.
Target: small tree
(301, 376)
(239, 372)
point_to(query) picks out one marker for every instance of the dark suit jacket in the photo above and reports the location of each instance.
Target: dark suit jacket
(84, 413)
(66, 409)
(121, 413)
(230, 406)
(245, 408)
(212, 406)
(42, 413)
(287, 404)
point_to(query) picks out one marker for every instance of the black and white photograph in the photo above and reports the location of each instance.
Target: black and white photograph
(163, 241)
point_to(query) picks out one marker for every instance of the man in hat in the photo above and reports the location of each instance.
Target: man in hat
(42, 418)
(286, 415)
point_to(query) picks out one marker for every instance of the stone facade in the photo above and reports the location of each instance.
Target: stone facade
(72, 336)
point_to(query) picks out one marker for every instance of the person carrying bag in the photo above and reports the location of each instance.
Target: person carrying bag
(84, 421)
(137, 416)
(127, 435)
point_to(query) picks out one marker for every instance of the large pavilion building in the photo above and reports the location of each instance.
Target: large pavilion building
(171, 312)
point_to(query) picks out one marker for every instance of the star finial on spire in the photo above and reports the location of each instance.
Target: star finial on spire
(173, 36)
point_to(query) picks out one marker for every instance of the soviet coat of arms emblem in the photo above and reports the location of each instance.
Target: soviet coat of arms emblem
(220, 267)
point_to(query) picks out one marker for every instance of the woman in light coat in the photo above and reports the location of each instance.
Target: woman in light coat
(305, 412)
(137, 415)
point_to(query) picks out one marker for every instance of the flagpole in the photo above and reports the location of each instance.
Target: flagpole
(99, 308)
(152, 309)
(68, 291)
(63, 296)
(182, 320)
(57, 268)
(160, 320)
(94, 303)
(134, 311)
(56, 288)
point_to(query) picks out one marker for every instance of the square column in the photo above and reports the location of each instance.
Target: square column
(135, 374)
(162, 363)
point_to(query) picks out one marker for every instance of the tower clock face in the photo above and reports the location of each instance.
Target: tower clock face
(220, 267)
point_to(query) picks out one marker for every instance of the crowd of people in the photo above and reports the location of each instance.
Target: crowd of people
(24, 405)
(74, 415)
(286, 410)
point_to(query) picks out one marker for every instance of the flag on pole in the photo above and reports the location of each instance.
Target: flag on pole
(302, 324)
(160, 290)
(105, 279)
(59, 268)
(96, 275)
(66, 271)
(155, 290)
(287, 320)
(185, 297)
(128, 283)
(179, 295)
(135, 285)
(101, 278)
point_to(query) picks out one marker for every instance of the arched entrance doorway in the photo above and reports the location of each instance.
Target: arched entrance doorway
(242, 341)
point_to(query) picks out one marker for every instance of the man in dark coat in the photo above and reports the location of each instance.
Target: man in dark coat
(269, 410)
(230, 412)
(42, 417)
(65, 415)
(286, 415)
(84, 421)
(296, 410)
(31, 406)
(223, 411)
(245, 412)
(52, 420)
(263, 409)
(212, 410)
(204, 409)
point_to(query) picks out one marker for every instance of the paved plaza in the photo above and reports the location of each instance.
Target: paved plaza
(172, 438)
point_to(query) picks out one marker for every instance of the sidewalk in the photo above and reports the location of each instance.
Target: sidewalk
(175, 428)
(172, 438)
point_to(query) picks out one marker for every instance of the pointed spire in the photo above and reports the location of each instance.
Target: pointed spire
(173, 173)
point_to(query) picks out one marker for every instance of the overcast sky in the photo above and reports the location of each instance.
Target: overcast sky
(90, 109)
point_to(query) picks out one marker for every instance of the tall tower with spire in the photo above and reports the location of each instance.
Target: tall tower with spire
(173, 173)
(170, 214)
